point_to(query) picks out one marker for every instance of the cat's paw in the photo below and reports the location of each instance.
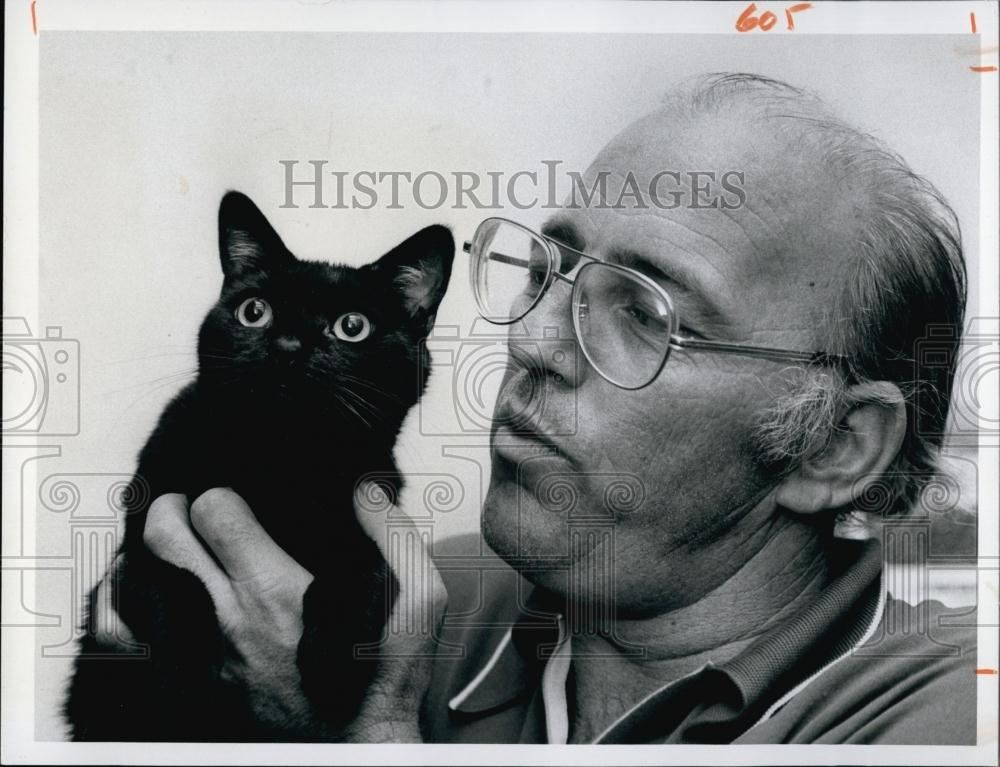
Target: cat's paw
(338, 650)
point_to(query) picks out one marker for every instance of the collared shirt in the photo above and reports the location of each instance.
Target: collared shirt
(855, 666)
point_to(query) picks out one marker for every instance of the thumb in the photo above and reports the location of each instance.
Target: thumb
(406, 547)
(374, 505)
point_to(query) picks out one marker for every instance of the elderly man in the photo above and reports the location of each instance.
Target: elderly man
(745, 363)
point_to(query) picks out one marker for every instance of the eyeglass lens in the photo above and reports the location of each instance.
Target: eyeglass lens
(509, 271)
(622, 324)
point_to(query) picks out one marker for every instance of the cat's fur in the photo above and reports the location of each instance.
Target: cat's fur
(291, 430)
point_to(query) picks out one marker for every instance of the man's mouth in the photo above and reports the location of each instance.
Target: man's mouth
(517, 436)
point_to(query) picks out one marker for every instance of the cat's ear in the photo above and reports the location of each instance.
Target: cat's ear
(419, 269)
(248, 244)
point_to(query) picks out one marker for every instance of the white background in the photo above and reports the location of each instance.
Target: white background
(140, 134)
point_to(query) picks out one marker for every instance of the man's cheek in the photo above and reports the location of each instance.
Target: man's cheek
(679, 434)
(690, 462)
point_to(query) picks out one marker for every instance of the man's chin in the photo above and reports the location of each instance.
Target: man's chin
(517, 527)
(546, 547)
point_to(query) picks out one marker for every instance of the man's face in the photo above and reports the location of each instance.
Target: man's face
(761, 274)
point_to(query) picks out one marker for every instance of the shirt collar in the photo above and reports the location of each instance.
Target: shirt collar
(776, 664)
(517, 660)
(845, 612)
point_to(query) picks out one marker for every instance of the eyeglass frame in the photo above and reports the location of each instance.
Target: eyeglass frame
(675, 342)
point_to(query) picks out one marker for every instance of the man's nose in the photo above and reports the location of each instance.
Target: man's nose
(544, 342)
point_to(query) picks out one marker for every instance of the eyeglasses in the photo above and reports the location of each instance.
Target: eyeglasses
(625, 322)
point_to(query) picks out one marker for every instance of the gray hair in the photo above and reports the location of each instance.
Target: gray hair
(899, 316)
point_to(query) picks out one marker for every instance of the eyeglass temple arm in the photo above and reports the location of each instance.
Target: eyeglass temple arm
(679, 342)
(505, 259)
(823, 358)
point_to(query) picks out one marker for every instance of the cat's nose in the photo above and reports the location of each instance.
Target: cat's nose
(288, 344)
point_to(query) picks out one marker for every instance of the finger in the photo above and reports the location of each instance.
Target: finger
(373, 507)
(406, 548)
(243, 547)
(169, 536)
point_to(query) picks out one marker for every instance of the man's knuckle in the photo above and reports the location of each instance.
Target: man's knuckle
(210, 499)
(208, 503)
(156, 531)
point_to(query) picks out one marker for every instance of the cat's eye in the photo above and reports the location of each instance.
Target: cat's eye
(254, 313)
(351, 327)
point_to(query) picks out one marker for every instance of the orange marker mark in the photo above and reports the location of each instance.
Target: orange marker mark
(747, 20)
(767, 20)
(34, 21)
(987, 671)
(972, 21)
(796, 9)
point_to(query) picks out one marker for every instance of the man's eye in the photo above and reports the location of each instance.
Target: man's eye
(688, 332)
(644, 317)
(639, 315)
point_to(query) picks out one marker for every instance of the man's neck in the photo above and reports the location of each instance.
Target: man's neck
(608, 677)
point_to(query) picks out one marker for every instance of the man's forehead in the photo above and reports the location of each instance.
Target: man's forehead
(653, 246)
(728, 139)
(781, 230)
(727, 191)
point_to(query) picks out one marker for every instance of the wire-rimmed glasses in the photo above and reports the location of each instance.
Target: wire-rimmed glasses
(625, 322)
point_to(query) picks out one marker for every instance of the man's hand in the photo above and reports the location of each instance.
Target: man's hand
(257, 590)
(390, 710)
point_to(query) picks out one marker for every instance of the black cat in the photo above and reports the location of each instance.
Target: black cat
(306, 371)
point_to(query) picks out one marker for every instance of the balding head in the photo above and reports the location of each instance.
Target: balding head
(898, 310)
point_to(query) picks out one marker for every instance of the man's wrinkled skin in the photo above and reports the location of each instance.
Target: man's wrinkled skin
(722, 550)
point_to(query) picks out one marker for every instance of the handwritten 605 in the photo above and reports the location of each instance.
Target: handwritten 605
(767, 19)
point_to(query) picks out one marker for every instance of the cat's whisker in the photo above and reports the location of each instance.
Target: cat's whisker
(332, 373)
(369, 385)
(164, 379)
(368, 406)
(172, 379)
(374, 417)
(350, 407)
(166, 350)
(130, 360)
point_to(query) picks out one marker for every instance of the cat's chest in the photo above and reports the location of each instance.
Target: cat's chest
(298, 478)
(290, 478)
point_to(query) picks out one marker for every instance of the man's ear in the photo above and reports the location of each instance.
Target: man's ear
(420, 269)
(861, 448)
(247, 242)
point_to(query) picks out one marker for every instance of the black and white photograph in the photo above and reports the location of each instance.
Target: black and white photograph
(501, 383)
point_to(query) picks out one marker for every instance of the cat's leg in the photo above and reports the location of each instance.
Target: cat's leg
(108, 675)
(344, 618)
(172, 693)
